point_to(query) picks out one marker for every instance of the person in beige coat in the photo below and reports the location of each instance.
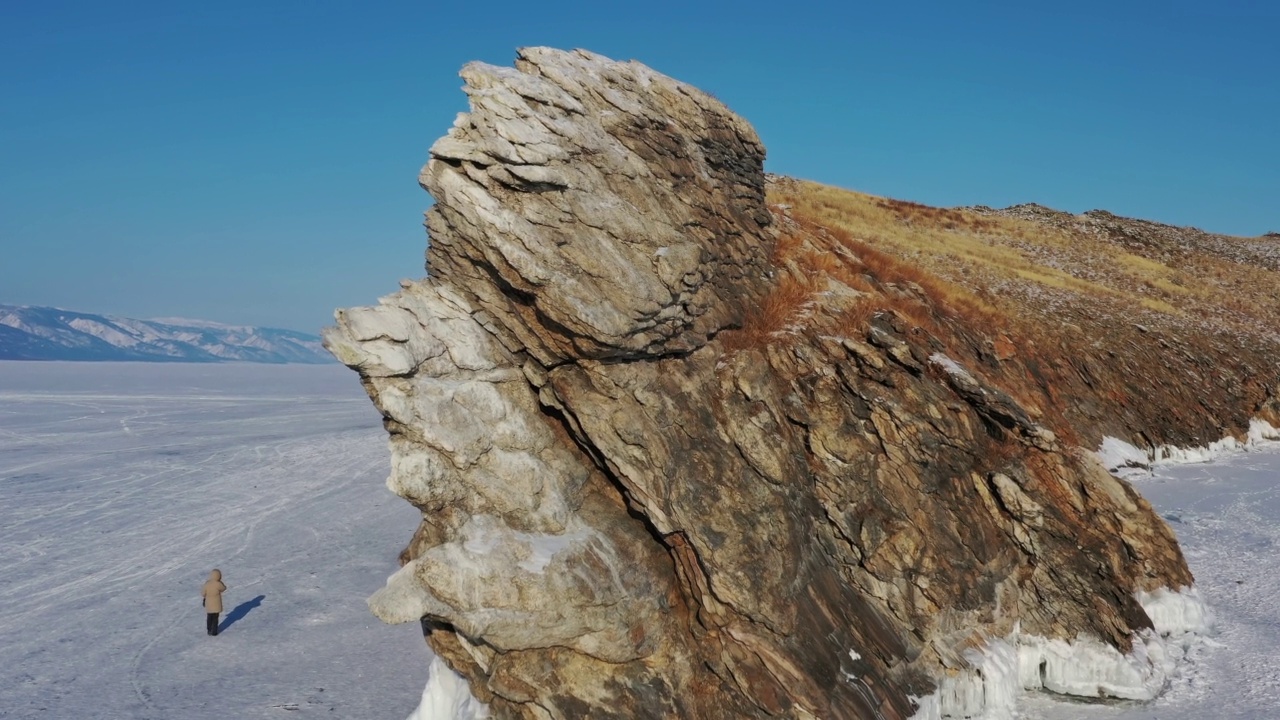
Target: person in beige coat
(212, 594)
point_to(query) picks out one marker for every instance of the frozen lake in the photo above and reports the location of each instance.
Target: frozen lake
(122, 485)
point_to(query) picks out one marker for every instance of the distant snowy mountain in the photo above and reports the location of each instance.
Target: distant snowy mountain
(43, 333)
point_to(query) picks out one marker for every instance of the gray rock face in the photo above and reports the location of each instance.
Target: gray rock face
(625, 517)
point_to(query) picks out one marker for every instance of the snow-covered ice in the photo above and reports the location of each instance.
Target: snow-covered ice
(122, 485)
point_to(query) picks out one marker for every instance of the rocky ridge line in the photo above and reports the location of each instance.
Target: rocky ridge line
(1167, 243)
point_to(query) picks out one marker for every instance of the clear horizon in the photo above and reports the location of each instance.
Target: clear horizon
(256, 164)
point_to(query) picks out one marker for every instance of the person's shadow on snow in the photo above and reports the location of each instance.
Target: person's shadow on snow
(241, 610)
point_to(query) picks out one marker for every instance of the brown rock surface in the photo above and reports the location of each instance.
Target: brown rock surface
(651, 488)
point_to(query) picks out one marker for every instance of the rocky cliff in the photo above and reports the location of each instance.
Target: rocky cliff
(680, 453)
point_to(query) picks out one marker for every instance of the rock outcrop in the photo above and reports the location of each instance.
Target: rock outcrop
(633, 507)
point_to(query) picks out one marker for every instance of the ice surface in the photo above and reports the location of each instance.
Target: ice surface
(122, 485)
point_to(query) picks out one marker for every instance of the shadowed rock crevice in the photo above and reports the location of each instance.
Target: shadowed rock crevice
(630, 511)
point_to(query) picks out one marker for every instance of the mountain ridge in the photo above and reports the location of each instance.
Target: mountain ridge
(29, 332)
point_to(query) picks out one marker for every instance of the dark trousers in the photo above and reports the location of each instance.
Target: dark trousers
(211, 623)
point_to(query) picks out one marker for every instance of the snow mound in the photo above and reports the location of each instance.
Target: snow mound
(447, 697)
(1262, 432)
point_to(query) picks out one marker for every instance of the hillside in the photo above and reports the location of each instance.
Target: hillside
(44, 333)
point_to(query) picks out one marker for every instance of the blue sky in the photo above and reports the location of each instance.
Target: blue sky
(257, 162)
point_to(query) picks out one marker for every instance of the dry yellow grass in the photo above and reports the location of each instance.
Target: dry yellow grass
(981, 265)
(973, 269)
(934, 236)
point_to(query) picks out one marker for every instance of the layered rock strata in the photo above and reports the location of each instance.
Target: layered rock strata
(628, 511)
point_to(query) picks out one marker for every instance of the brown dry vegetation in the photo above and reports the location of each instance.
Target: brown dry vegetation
(781, 309)
(816, 260)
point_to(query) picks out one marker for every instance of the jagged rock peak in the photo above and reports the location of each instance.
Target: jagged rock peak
(616, 206)
(626, 515)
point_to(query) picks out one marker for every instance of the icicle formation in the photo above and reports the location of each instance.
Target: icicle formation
(1121, 457)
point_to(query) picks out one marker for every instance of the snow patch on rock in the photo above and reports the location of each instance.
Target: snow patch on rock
(1120, 457)
(952, 367)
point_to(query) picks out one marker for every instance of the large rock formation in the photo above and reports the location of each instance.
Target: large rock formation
(635, 507)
